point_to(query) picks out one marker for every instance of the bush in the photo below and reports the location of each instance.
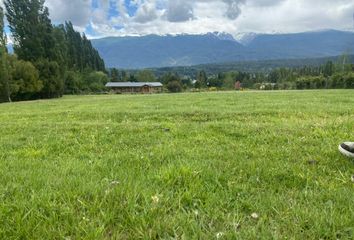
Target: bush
(311, 82)
(95, 81)
(73, 82)
(22, 79)
(174, 86)
(342, 80)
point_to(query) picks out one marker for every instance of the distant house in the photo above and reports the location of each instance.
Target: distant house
(135, 87)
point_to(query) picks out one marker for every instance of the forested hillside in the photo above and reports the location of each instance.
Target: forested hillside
(188, 50)
(49, 60)
(264, 66)
(323, 73)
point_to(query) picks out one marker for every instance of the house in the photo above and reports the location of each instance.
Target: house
(135, 87)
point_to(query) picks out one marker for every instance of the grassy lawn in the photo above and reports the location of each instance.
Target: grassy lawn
(233, 165)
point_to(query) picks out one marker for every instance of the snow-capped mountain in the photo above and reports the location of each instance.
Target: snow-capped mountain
(218, 47)
(245, 38)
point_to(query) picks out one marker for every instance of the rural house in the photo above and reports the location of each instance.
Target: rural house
(135, 87)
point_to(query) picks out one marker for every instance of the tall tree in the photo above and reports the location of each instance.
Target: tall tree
(81, 54)
(329, 69)
(34, 40)
(32, 30)
(61, 55)
(5, 94)
(201, 79)
(146, 76)
(114, 75)
(25, 19)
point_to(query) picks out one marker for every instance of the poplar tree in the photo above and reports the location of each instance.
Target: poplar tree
(34, 41)
(5, 94)
(54, 51)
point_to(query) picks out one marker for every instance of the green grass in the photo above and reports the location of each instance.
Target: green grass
(184, 166)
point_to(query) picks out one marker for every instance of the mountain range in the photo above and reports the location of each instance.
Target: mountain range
(135, 52)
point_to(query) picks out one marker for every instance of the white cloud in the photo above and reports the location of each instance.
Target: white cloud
(146, 12)
(179, 11)
(296, 15)
(233, 8)
(77, 11)
(200, 16)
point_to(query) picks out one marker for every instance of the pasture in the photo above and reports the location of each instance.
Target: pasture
(230, 165)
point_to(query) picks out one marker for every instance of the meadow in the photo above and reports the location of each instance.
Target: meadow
(228, 165)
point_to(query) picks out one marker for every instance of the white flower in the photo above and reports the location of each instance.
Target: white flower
(113, 183)
(219, 235)
(155, 199)
(254, 216)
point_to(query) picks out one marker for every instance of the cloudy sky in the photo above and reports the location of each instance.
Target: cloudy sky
(100, 18)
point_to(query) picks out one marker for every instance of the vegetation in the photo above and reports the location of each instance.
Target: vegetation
(4, 73)
(252, 67)
(47, 57)
(230, 165)
(331, 75)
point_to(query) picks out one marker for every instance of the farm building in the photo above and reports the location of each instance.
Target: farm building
(135, 87)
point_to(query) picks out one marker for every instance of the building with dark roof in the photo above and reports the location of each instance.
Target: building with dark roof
(135, 87)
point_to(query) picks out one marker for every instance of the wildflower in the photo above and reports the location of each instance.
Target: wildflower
(219, 235)
(155, 199)
(113, 183)
(254, 216)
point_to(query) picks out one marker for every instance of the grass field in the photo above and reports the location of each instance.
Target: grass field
(233, 165)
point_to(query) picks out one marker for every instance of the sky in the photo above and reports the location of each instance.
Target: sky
(102, 18)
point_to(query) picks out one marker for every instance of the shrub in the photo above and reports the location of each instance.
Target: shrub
(24, 82)
(174, 86)
(73, 82)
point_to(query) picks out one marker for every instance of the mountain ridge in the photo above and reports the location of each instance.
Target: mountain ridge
(170, 50)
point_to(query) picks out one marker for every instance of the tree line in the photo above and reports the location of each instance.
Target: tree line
(330, 75)
(49, 60)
